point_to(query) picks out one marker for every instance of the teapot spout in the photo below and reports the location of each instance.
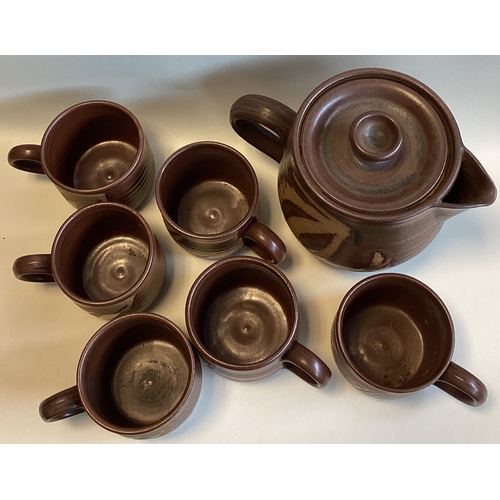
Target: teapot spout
(473, 188)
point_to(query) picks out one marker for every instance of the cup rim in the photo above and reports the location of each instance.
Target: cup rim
(194, 372)
(66, 226)
(163, 173)
(372, 282)
(236, 262)
(103, 189)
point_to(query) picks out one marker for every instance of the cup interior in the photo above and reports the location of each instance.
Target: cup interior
(241, 313)
(206, 189)
(91, 145)
(396, 334)
(135, 373)
(101, 252)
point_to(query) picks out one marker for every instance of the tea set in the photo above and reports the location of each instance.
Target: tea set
(370, 168)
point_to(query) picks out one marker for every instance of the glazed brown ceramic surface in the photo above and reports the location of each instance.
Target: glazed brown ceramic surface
(138, 376)
(105, 258)
(208, 195)
(393, 336)
(93, 151)
(242, 316)
(371, 166)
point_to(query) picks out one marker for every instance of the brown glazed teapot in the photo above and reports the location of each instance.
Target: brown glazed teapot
(371, 166)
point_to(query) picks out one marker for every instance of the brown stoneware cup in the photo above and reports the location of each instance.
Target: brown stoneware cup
(208, 195)
(138, 376)
(242, 316)
(393, 336)
(105, 258)
(93, 151)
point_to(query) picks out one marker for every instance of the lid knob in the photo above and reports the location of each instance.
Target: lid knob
(376, 136)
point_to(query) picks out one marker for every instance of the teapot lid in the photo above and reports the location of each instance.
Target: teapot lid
(376, 140)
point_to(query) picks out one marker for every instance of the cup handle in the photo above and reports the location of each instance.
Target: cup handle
(264, 242)
(462, 385)
(307, 366)
(34, 268)
(61, 405)
(26, 157)
(263, 122)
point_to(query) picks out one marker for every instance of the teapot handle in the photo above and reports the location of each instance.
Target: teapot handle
(263, 122)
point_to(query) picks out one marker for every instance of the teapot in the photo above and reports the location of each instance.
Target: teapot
(371, 166)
